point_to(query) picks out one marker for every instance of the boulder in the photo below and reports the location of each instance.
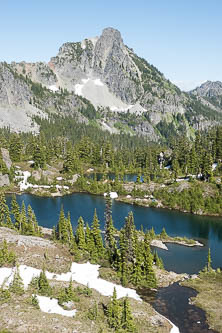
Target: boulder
(6, 158)
(4, 180)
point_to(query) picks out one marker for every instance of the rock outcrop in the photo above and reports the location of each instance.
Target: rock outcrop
(6, 158)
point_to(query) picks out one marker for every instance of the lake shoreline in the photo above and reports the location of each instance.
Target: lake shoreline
(122, 199)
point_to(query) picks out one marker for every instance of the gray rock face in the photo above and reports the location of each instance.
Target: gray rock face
(209, 89)
(6, 158)
(4, 180)
(37, 72)
(210, 94)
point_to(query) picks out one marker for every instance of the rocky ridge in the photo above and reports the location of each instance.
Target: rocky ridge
(107, 75)
(210, 94)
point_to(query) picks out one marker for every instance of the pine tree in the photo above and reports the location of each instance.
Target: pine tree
(114, 312)
(2, 209)
(32, 224)
(6, 256)
(15, 210)
(16, 286)
(80, 234)
(96, 233)
(8, 220)
(23, 220)
(39, 156)
(15, 147)
(130, 237)
(163, 234)
(136, 276)
(157, 260)
(43, 284)
(127, 318)
(150, 276)
(209, 268)
(62, 227)
(69, 228)
(110, 242)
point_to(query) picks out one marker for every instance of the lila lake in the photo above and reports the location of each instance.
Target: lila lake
(178, 258)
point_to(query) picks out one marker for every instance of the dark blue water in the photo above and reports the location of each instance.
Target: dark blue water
(112, 176)
(207, 230)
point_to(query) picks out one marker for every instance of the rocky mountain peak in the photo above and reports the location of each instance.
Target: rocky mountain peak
(111, 34)
(209, 89)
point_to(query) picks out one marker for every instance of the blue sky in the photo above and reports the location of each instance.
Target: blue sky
(182, 38)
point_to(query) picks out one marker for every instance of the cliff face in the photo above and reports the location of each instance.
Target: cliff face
(210, 93)
(115, 81)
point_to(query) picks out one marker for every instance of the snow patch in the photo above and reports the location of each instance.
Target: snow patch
(86, 274)
(53, 88)
(24, 185)
(113, 195)
(214, 166)
(98, 82)
(50, 305)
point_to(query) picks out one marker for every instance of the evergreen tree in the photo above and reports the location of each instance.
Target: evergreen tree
(110, 241)
(96, 233)
(15, 147)
(127, 318)
(43, 284)
(16, 286)
(39, 156)
(163, 234)
(32, 224)
(130, 237)
(69, 228)
(209, 268)
(150, 276)
(62, 227)
(114, 312)
(15, 210)
(23, 220)
(80, 234)
(157, 260)
(2, 209)
(6, 256)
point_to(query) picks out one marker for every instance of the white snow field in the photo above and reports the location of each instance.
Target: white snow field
(50, 305)
(99, 95)
(23, 184)
(86, 274)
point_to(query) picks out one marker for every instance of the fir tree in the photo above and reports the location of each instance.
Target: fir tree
(23, 220)
(163, 234)
(127, 318)
(2, 209)
(114, 312)
(6, 256)
(69, 229)
(80, 234)
(43, 284)
(110, 242)
(96, 233)
(15, 210)
(62, 227)
(209, 268)
(8, 220)
(16, 286)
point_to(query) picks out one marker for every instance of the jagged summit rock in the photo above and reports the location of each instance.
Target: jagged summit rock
(210, 94)
(209, 89)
